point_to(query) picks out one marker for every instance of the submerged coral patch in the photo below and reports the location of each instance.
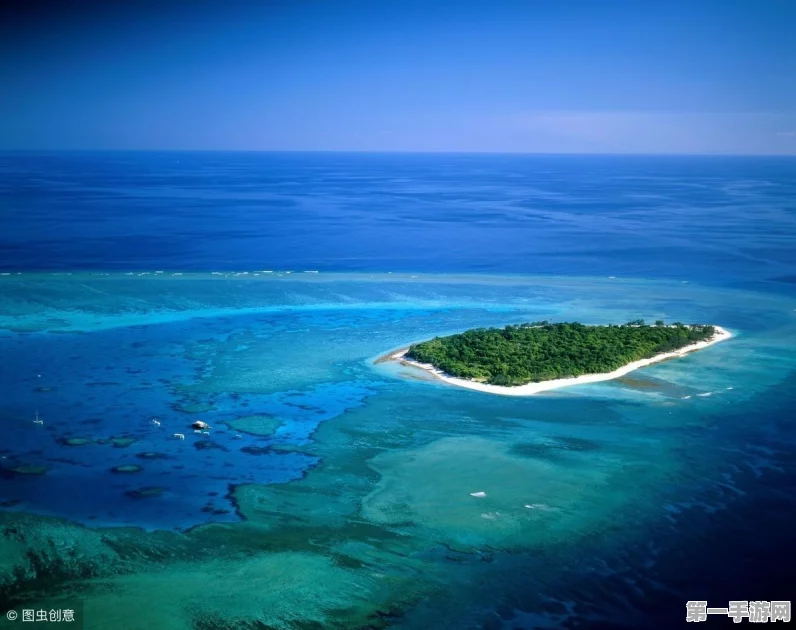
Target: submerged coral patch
(204, 445)
(255, 450)
(553, 447)
(148, 492)
(123, 442)
(32, 470)
(151, 455)
(75, 441)
(127, 468)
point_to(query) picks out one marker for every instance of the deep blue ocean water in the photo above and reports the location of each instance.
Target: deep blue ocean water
(134, 286)
(701, 218)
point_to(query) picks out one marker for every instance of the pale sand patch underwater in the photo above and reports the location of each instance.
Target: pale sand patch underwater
(534, 388)
(471, 491)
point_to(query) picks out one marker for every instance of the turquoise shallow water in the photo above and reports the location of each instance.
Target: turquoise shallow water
(337, 492)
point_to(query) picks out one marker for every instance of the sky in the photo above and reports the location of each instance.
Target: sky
(569, 76)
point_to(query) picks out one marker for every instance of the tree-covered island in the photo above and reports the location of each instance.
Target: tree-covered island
(542, 351)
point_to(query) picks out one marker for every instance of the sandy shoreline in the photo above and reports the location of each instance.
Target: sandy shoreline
(535, 388)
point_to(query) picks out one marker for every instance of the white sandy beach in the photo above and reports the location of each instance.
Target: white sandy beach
(535, 388)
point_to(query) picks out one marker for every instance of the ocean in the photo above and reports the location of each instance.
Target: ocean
(141, 292)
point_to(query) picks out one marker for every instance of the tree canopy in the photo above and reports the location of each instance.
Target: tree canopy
(541, 351)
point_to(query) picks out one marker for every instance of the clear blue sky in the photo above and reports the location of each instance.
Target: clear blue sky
(695, 76)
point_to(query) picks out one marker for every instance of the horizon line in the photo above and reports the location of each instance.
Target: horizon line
(404, 152)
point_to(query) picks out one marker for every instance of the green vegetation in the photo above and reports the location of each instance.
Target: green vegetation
(541, 351)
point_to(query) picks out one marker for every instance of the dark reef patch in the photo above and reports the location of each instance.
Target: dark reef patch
(291, 448)
(205, 445)
(553, 447)
(256, 450)
(209, 509)
(152, 455)
(147, 492)
(71, 462)
(304, 407)
(576, 444)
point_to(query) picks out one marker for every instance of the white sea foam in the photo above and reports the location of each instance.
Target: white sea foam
(478, 494)
(540, 506)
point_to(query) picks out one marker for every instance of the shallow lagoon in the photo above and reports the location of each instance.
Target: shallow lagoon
(346, 499)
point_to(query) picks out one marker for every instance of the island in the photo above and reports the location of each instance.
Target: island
(529, 358)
